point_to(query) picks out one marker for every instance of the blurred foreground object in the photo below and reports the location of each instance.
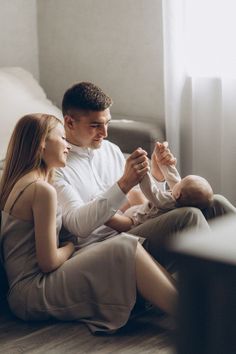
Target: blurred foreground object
(207, 285)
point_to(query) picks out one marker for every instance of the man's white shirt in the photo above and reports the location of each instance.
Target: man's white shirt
(88, 193)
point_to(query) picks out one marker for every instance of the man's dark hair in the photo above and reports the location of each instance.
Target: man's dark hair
(85, 96)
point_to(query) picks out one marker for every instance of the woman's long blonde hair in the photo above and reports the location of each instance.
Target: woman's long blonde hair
(25, 150)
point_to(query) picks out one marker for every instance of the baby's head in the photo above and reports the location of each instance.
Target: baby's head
(193, 191)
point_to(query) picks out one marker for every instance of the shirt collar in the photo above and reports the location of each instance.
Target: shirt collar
(82, 151)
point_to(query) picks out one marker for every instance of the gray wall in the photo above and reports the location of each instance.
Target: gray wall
(18, 34)
(117, 44)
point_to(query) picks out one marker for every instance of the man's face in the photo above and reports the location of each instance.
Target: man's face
(88, 130)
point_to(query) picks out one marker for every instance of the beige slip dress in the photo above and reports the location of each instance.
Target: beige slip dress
(97, 285)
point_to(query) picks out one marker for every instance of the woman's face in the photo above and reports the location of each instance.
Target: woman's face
(56, 148)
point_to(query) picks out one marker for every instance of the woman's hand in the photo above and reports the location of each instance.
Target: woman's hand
(68, 247)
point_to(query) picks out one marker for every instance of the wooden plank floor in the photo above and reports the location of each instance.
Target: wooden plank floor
(146, 334)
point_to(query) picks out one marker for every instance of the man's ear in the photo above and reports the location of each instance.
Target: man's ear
(69, 122)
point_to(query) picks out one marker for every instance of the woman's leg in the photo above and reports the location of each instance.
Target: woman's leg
(154, 283)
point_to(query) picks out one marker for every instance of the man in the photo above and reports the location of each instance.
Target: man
(97, 181)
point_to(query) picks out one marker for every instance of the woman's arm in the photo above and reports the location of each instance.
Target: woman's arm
(119, 223)
(49, 256)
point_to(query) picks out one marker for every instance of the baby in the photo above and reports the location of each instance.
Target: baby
(191, 190)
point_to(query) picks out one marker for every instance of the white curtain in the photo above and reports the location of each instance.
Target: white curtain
(200, 107)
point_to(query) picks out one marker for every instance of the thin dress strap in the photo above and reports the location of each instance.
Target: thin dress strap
(20, 194)
(1, 238)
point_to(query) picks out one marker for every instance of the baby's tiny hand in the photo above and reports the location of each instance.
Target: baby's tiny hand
(163, 154)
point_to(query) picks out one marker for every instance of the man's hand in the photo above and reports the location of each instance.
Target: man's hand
(161, 156)
(137, 165)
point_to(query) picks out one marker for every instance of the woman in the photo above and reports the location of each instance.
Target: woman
(97, 284)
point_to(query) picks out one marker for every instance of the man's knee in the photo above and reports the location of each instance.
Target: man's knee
(191, 217)
(220, 206)
(220, 202)
(219, 199)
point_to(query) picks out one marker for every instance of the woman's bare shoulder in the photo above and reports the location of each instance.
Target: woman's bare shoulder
(43, 189)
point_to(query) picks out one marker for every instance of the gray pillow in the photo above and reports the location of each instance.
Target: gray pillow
(130, 134)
